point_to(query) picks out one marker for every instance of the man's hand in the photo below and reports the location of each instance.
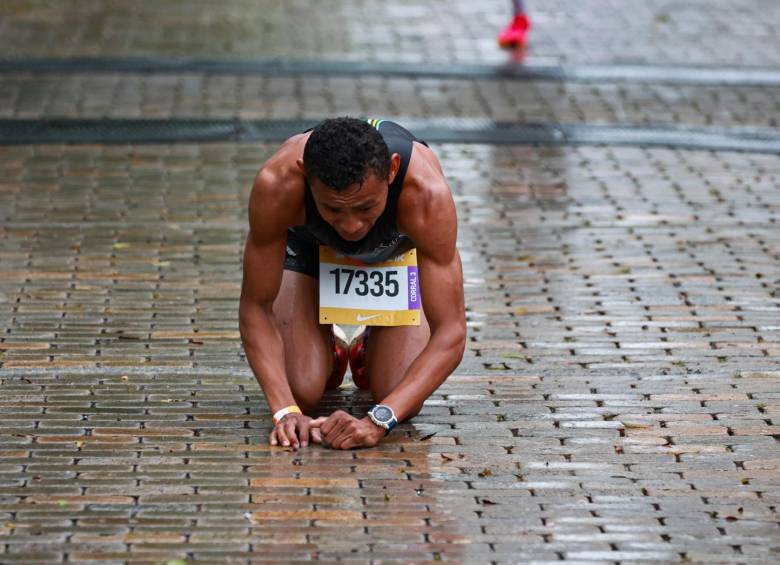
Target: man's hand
(295, 430)
(342, 431)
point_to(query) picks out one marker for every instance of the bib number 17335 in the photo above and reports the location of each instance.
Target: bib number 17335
(380, 294)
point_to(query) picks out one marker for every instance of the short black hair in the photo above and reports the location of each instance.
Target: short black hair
(341, 151)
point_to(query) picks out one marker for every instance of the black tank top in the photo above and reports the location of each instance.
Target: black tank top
(384, 240)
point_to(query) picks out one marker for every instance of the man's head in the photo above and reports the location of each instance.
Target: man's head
(349, 169)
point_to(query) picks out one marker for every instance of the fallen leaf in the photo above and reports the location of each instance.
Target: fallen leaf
(636, 425)
(120, 245)
(426, 438)
(79, 444)
(485, 473)
(487, 502)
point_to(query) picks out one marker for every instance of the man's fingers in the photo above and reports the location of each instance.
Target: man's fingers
(316, 423)
(316, 435)
(303, 431)
(333, 421)
(272, 438)
(281, 435)
(337, 434)
(345, 441)
(349, 443)
(289, 428)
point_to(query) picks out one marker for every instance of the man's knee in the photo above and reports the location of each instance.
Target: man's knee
(308, 395)
(307, 405)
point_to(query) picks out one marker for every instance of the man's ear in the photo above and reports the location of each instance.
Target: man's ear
(395, 164)
(299, 162)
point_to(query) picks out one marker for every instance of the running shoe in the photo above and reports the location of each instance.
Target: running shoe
(357, 357)
(340, 358)
(516, 33)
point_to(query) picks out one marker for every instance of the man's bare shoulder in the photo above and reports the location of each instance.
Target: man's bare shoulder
(426, 200)
(278, 190)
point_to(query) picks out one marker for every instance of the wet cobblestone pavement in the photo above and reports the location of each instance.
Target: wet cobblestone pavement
(304, 97)
(619, 398)
(728, 32)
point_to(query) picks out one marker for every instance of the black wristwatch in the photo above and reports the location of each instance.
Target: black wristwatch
(384, 417)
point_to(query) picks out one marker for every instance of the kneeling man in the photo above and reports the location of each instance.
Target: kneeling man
(355, 219)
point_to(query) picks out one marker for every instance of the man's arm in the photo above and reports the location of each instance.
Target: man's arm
(434, 230)
(271, 212)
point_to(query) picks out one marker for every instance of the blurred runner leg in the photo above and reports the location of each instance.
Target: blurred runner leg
(515, 34)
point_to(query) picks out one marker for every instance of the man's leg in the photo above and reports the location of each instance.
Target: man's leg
(389, 353)
(308, 346)
(515, 34)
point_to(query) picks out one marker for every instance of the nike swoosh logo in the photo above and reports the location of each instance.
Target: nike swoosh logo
(362, 318)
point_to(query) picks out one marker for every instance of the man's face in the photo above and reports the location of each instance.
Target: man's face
(353, 211)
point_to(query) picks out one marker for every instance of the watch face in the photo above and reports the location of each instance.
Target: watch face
(383, 414)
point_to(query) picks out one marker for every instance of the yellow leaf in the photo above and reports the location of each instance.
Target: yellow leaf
(120, 245)
(79, 444)
(636, 425)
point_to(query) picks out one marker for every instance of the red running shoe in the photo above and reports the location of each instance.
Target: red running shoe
(516, 33)
(340, 358)
(357, 357)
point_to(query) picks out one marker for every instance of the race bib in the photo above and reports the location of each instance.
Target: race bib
(380, 294)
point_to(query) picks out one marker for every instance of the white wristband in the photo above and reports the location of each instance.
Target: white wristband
(284, 411)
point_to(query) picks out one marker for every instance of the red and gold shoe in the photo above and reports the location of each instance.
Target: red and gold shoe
(515, 34)
(357, 357)
(340, 358)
